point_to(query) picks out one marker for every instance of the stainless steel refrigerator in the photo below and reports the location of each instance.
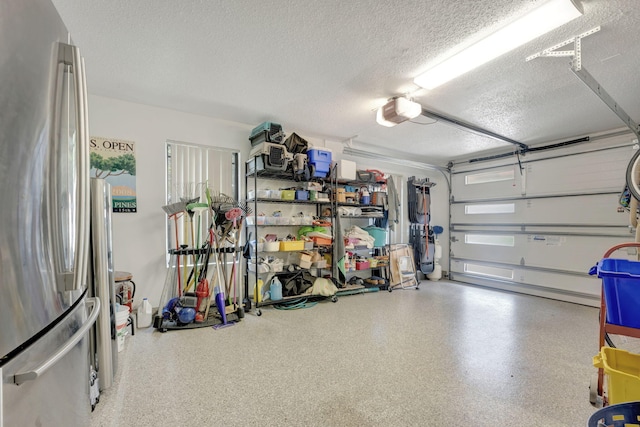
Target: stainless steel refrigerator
(45, 315)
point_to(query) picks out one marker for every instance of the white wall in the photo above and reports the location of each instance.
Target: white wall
(139, 239)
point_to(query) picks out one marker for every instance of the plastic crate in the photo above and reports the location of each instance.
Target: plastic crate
(621, 287)
(623, 370)
(623, 414)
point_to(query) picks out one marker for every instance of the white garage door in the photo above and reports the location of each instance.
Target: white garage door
(539, 224)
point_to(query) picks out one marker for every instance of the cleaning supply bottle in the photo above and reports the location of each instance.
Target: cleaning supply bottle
(275, 289)
(144, 314)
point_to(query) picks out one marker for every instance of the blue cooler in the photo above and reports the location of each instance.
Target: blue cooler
(321, 161)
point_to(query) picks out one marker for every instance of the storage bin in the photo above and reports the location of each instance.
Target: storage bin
(362, 265)
(271, 220)
(622, 414)
(262, 194)
(288, 195)
(293, 245)
(346, 170)
(308, 246)
(302, 195)
(321, 160)
(621, 287)
(319, 155)
(320, 264)
(283, 220)
(623, 369)
(321, 241)
(271, 246)
(261, 220)
(275, 194)
(379, 235)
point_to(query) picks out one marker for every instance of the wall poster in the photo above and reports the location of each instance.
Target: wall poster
(115, 161)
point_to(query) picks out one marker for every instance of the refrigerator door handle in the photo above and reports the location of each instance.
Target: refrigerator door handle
(83, 171)
(69, 186)
(66, 347)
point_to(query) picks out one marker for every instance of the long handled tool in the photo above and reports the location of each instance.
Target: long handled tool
(175, 210)
(234, 215)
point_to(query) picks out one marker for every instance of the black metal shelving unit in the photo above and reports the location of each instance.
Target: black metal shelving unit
(257, 175)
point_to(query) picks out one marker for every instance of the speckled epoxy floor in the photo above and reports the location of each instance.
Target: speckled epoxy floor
(445, 355)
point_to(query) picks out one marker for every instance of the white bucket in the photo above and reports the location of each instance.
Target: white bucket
(122, 317)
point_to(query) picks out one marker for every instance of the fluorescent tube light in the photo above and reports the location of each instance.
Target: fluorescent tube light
(545, 18)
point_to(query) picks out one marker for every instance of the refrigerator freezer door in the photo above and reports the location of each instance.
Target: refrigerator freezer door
(53, 393)
(43, 171)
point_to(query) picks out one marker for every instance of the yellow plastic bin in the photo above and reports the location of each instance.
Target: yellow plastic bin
(623, 371)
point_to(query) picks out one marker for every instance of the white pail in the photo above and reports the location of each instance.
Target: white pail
(122, 317)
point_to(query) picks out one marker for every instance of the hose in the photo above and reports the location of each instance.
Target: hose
(295, 304)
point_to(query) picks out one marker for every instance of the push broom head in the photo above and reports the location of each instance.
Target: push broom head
(174, 208)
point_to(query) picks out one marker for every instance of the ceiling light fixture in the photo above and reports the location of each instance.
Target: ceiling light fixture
(397, 110)
(539, 21)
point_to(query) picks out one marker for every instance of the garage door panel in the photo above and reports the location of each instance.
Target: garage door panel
(593, 172)
(558, 252)
(569, 287)
(492, 183)
(600, 209)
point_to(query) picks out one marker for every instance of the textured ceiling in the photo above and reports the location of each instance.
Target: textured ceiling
(322, 67)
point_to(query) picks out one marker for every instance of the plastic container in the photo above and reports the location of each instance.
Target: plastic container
(623, 369)
(621, 286)
(622, 414)
(122, 318)
(293, 245)
(362, 265)
(288, 194)
(321, 241)
(143, 317)
(302, 195)
(275, 290)
(321, 161)
(379, 235)
(271, 246)
(275, 194)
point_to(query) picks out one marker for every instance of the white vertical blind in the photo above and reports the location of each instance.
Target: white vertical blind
(191, 169)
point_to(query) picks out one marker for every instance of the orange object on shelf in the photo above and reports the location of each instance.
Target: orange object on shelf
(321, 241)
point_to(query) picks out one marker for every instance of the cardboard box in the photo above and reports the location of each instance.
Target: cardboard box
(302, 259)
